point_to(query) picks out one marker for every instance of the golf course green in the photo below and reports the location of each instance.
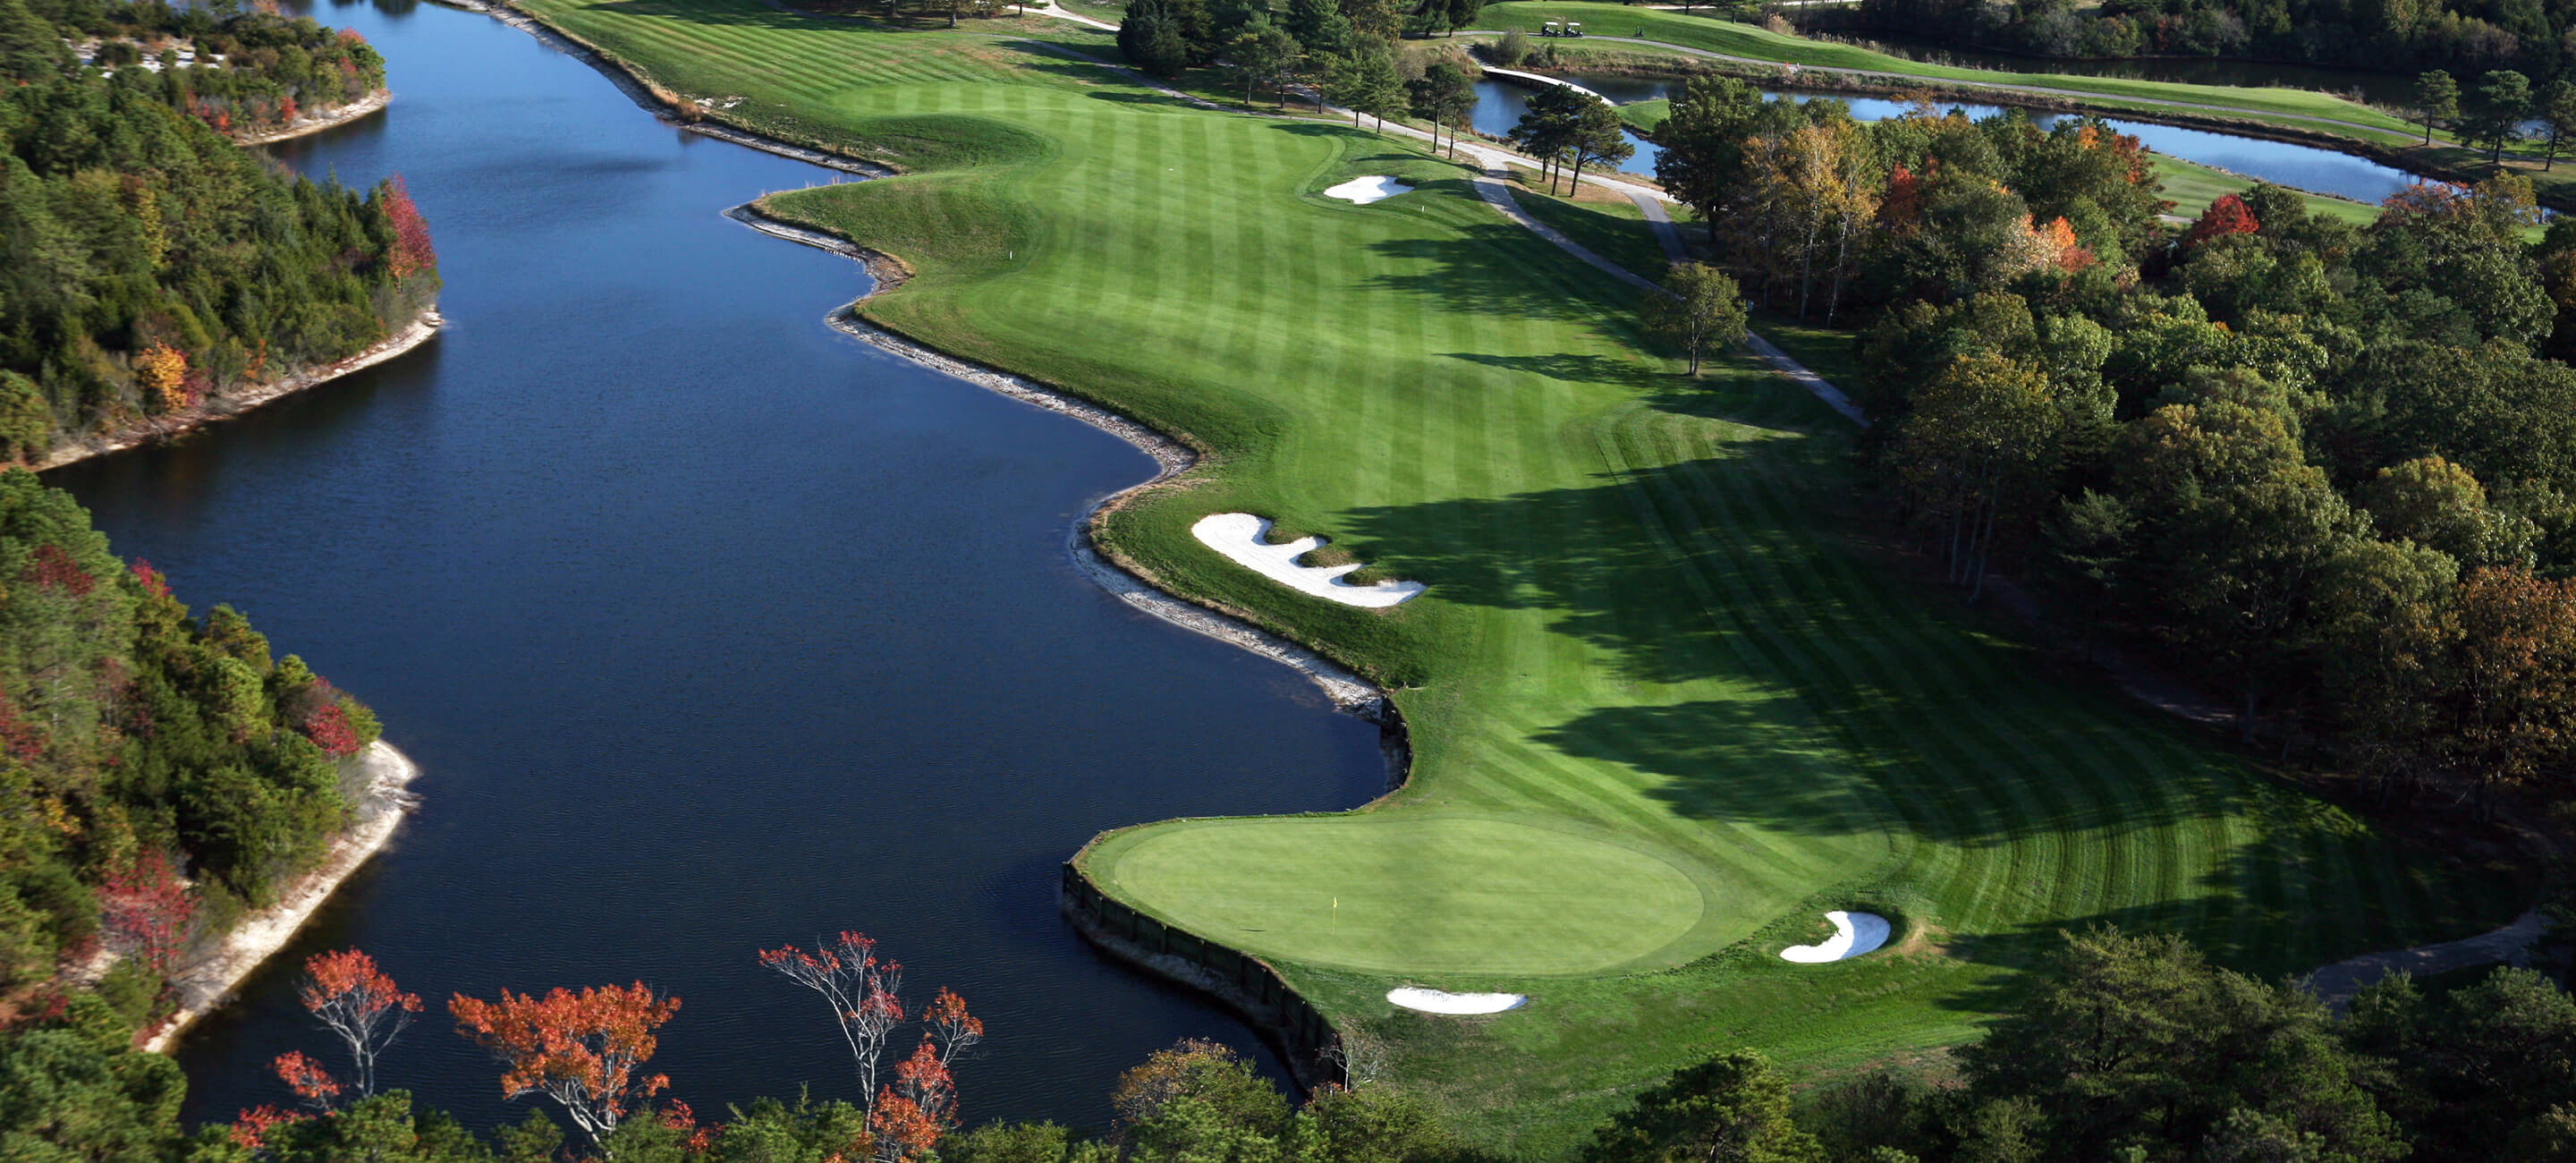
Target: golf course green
(1670, 697)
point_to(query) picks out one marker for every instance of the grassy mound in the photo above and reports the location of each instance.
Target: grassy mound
(1669, 702)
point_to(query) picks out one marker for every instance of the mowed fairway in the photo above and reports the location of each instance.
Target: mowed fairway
(1668, 703)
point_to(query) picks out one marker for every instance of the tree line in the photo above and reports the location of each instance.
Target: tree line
(2122, 1048)
(1344, 51)
(2464, 36)
(148, 263)
(2332, 467)
(252, 70)
(160, 772)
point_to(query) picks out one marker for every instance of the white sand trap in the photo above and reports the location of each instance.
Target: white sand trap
(1854, 934)
(1242, 536)
(1441, 1001)
(1367, 190)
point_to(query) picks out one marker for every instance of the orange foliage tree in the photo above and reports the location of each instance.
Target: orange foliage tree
(307, 1079)
(2225, 216)
(250, 1128)
(163, 370)
(352, 998)
(579, 1049)
(862, 990)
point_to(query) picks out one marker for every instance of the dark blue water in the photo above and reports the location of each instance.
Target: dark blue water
(1500, 104)
(711, 629)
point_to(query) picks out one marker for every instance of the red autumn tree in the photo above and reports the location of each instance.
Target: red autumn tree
(352, 998)
(54, 569)
(145, 911)
(923, 1080)
(900, 1129)
(1904, 200)
(328, 728)
(579, 1049)
(950, 1025)
(251, 1127)
(307, 1079)
(150, 579)
(2225, 216)
(695, 1139)
(411, 252)
(860, 989)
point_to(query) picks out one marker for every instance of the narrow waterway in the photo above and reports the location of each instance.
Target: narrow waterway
(1499, 105)
(710, 628)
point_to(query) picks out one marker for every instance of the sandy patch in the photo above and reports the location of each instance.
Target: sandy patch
(1241, 536)
(1854, 934)
(1441, 1001)
(1366, 190)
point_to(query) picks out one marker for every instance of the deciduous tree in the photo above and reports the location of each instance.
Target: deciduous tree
(1700, 307)
(579, 1049)
(353, 999)
(861, 989)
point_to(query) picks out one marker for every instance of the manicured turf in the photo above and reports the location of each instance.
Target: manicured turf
(2289, 107)
(1426, 892)
(1669, 702)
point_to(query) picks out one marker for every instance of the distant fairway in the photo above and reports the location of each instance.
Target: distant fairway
(2290, 108)
(1669, 698)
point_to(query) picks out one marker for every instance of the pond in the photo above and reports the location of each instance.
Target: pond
(2323, 171)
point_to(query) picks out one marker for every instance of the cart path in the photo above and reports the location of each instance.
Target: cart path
(1666, 232)
(2510, 945)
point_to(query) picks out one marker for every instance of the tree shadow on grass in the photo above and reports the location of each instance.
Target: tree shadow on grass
(749, 15)
(1466, 273)
(1573, 368)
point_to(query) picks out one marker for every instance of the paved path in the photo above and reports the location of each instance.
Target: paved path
(2061, 94)
(1666, 232)
(2511, 944)
(1058, 11)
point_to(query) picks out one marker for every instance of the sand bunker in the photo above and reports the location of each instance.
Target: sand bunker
(1441, 1001)
(1241, 536)
(1854, 934)
(1367, 190)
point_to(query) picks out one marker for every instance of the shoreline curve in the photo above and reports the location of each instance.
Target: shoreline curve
(218, 408)
(367, 106)
(209, 981)
(1346, 690)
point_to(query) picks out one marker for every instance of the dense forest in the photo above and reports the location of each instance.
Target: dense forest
(147, 263)
(2125, 1049)
(162, 772)
(2464, 36)
(2330, 468)
(240, 71)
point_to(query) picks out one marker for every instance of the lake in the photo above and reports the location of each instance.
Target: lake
(712, 629)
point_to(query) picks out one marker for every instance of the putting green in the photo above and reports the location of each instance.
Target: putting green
(1414, 893)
